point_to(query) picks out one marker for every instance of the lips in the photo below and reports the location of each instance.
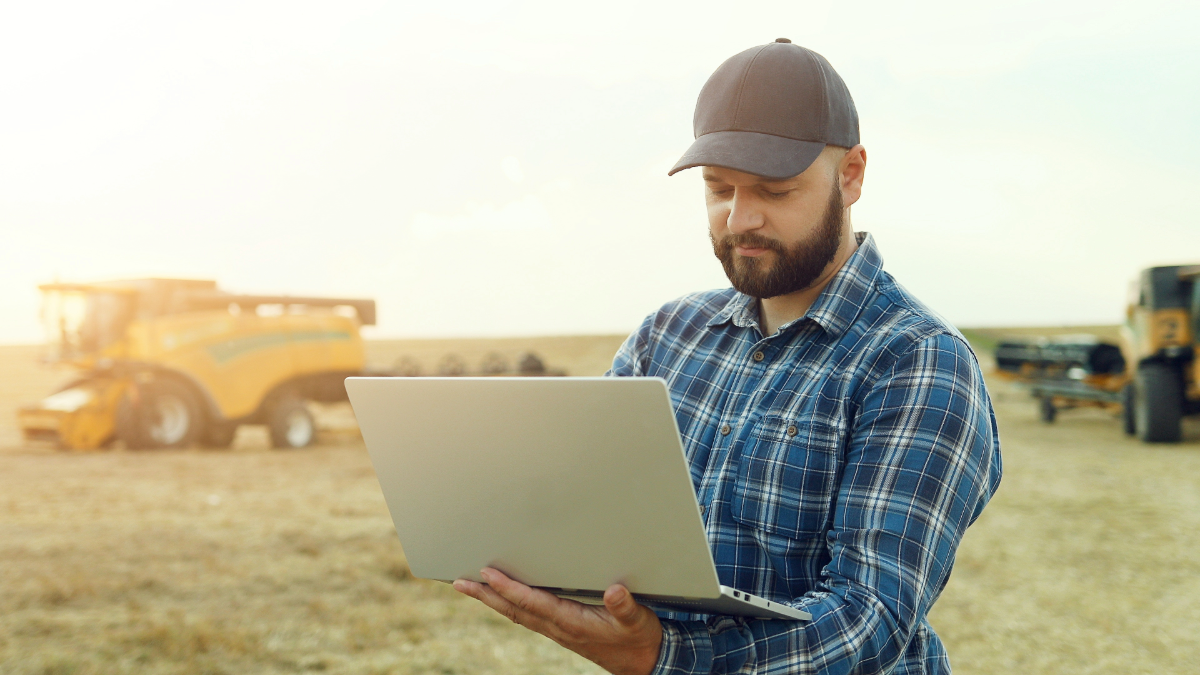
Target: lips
(750, 251)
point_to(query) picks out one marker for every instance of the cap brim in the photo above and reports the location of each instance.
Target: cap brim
(773, 157)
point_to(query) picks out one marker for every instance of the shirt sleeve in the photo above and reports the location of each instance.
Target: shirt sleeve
(631, 358)
(922, 460)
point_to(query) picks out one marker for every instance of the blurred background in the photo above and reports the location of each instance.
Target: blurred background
(480, 188)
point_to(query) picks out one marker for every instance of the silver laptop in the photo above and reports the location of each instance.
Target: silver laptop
(564, 484)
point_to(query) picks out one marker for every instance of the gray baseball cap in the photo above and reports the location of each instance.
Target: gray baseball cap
(769, 111)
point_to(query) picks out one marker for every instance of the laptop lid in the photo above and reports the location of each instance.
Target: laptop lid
(573, 483)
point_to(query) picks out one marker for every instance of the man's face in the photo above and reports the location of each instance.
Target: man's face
(774, 237)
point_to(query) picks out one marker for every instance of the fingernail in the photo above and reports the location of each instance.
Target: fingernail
(460, 585)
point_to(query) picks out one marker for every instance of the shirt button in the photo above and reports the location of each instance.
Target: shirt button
(703, 509)
(725, 430)
(792, 430)
(759, 356)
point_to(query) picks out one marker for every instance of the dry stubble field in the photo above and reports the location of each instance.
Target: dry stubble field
(257, 561)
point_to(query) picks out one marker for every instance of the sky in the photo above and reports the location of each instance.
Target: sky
(499, 168)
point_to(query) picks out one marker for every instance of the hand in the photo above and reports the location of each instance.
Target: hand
(622, 637)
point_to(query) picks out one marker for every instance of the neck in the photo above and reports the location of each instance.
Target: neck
(783, 309)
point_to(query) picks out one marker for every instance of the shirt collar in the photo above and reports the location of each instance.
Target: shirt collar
(835, 308)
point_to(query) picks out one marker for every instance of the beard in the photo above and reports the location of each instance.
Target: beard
(795, 267)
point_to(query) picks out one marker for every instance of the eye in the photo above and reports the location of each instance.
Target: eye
(777, 195)
(720, 191)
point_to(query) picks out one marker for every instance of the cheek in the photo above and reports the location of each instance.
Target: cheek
(796, 222)
(718, 216)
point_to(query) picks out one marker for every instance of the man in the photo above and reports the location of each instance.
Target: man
(839, 433)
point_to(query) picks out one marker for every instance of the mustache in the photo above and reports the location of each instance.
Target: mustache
(749, 239)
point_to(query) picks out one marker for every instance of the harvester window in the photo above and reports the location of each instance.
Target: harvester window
(1167, 289)
(82, 322)
(108, 314)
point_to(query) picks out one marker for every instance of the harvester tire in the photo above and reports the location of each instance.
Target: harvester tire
(1128, 402)
(161, 413)
(291, 424)
(1047, 410)
(1158, 403)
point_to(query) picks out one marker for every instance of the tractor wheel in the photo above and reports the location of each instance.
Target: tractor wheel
(159, 414)
(1128, 403)
(1158, 403)
(1047, 409)
(291, 424)
(219, 435)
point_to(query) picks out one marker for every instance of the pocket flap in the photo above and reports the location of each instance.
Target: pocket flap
(786, 477)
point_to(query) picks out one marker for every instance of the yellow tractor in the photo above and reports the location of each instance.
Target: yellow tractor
(1161, 345)
(170, 363)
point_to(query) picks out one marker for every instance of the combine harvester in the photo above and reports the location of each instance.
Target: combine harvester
(170, 363)
(1161, 342)
(1152, 377)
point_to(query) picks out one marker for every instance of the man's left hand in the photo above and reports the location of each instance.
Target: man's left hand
(622, 637)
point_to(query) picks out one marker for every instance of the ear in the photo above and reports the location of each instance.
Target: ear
(851, 169)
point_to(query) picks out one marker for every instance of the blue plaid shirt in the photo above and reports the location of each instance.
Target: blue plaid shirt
(837, 462)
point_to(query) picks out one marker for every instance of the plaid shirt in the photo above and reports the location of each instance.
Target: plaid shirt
(837, 462)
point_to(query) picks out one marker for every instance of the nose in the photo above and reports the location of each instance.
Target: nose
(744, 214)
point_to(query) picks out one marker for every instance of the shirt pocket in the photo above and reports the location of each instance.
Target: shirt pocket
(786, 477)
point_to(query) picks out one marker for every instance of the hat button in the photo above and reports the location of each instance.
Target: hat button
(782, 40)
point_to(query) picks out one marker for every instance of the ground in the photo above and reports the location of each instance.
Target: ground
(260, 561)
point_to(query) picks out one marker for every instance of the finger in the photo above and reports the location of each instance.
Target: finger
(620, 604)
(532, 600)
(466, 586)
(488, 596)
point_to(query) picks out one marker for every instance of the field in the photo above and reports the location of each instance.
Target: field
(258, 561)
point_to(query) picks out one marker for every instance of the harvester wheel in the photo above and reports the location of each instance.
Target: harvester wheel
(158, 414)
(1128, 402)
(1158, 403)
(1047, 409)
(291, 424)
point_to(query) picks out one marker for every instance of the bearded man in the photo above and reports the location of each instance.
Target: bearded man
(839, 433)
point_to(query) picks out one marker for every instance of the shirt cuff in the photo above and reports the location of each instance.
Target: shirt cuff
(686, 649)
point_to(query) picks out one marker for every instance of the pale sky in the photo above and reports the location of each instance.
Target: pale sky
(500, 168)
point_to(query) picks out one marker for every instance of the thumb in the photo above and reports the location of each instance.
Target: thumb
(620, 603)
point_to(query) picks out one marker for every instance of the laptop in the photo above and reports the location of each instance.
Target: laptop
(568, 484)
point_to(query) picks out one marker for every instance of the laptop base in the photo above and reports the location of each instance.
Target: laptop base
(731, 602)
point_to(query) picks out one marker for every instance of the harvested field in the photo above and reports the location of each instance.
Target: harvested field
(258, 561)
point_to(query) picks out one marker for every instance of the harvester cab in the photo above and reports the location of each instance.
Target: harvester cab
(81, 321)
(1160, 342)
(176, 362)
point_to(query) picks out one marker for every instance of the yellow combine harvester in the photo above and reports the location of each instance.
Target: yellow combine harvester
(169, 363)
(1161, 343)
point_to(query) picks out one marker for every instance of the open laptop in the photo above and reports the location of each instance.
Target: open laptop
(564, 484)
